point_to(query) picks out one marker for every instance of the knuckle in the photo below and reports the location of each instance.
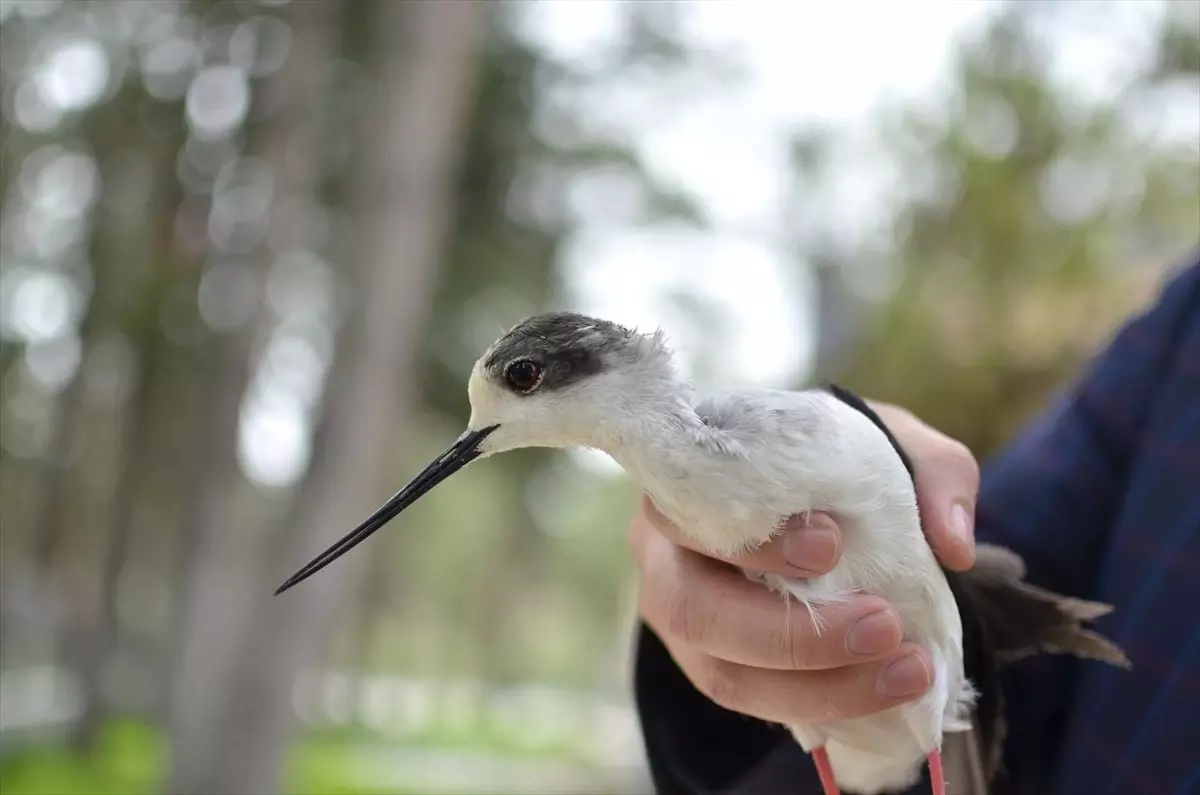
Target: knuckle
(645, 531)
(646, 605)
(722, 685)
(637, 538)
(633, 537)
(654, 603)
(894, 414)
(685, 621)
(794, 648)
(957, 455)
(830, 708)
(653, 595)
(846, 698)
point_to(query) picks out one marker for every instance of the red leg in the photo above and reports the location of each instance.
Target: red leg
(936, 776)
(825, 772)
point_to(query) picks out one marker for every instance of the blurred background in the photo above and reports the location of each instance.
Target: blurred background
(251, 249)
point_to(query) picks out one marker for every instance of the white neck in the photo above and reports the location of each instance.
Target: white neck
(650, 413)
(655, 434)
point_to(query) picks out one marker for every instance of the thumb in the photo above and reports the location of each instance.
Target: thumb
(947, 486)
(947, 483)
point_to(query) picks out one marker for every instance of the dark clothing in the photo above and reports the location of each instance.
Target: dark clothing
(1101, 497)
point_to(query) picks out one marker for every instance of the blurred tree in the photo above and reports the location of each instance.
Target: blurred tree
(150, 247)
(284, 141)
(1027, 236)
(402, 197)
(63, 591)
(86, 171)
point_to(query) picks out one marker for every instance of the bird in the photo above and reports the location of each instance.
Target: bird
(729, 469)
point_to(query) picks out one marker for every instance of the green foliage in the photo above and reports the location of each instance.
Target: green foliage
(1026, 241)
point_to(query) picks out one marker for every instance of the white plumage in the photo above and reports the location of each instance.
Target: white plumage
(823, 455)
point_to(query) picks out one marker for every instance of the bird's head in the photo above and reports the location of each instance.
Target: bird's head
(561, 380)
(554, 380)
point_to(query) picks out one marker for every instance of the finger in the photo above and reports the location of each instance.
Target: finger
(947, 484)
(714, 610)
(809, 697)
(801, 548)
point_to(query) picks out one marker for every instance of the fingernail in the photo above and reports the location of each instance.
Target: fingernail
(906, 677)
(877, 633)
(813, 548)
(960, 524)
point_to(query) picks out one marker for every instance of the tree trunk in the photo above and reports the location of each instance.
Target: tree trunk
(108, 128)
(68, 598)
(425, 82)
(134, 453)
(211, 553)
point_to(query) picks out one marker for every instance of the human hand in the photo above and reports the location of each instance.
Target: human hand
(750, 652)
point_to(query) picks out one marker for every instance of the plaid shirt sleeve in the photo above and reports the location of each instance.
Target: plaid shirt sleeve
(1057, 496)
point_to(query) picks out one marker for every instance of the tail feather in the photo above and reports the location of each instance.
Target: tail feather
(1006, 619)
(1020, 619)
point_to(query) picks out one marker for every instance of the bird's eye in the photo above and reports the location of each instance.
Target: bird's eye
(523, 376)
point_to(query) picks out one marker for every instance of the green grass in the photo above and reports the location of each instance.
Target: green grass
(130, 759)
(127, 760)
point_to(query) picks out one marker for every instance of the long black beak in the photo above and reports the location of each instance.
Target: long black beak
(462, 452)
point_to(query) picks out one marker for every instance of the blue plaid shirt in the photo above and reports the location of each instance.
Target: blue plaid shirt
(1101, 497)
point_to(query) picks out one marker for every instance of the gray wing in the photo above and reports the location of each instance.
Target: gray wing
(722, 411)
(756, 414)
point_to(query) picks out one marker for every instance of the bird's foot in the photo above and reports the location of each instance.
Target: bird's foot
(936, 776)
(825, 772)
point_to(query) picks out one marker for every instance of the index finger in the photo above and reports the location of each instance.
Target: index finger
(696, 602)
(947, 483)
